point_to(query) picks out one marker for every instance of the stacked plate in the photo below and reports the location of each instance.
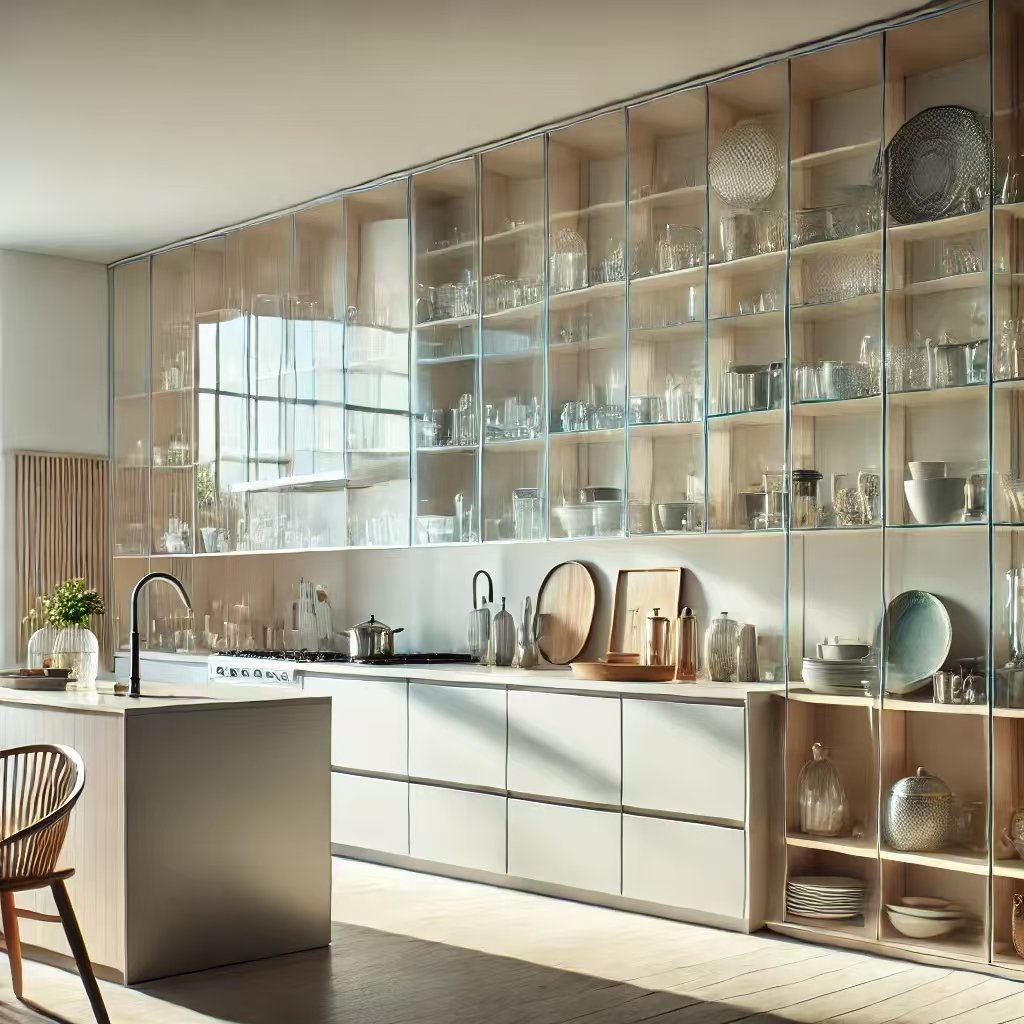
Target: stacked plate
(924, 917)
(826, 897)
(850, 677)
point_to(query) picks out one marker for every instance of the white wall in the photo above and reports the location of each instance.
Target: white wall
(54, 374)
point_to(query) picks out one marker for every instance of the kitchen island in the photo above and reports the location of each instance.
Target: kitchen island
(203, 834)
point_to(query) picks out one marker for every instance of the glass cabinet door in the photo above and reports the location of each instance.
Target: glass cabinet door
(377, 365)
(266, 262)
(173, 403)
(937, 281)
(747, 204)
(667, 235)
(446, 316)
(222, 422)
(512, 353)
(587, 267)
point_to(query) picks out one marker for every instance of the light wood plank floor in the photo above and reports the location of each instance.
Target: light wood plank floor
(413, 949)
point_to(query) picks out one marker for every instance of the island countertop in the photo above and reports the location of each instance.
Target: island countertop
(156, 698)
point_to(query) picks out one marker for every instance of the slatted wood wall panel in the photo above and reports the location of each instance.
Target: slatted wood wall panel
(61, 531)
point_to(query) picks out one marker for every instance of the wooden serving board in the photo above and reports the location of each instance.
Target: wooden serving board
(637, 593)
(603, 671)
(565, 612)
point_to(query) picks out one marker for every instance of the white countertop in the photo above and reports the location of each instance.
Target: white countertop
(157, 697)
(560, 679)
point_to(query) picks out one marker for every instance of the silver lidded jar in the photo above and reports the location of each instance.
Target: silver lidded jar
(503, 636)
(920, 814)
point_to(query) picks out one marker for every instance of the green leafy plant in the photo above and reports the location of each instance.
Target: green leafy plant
(206, 493)
(72, 604)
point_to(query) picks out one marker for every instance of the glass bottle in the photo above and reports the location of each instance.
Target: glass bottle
(823, 809)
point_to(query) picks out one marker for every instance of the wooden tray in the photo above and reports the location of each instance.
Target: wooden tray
(637, 593)
(602, 671)
(565, 612)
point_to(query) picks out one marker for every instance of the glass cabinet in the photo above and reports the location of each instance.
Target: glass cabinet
(588, 260)
(668, 246)
(446, 399)
(513, 365)
(747, 204)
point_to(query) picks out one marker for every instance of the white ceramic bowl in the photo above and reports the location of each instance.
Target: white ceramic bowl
(922, 927)
(846, 651)
(926, 470)
(940, 500)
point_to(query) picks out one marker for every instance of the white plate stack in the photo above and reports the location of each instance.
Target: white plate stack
(826, 897)
(849, 677)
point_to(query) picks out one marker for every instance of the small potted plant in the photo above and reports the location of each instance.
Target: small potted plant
(69, 609)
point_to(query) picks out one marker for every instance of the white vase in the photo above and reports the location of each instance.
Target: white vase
(77, 649)
(40, 647)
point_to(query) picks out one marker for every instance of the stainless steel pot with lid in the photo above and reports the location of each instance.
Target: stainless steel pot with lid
(372, 639)
(920, 814)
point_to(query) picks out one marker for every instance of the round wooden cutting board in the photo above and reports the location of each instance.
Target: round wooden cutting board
(565, 612)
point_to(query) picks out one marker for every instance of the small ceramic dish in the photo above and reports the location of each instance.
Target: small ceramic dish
(922, 927)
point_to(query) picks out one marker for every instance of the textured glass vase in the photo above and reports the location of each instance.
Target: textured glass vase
(823, 810)
(40, 647)
(77, 649)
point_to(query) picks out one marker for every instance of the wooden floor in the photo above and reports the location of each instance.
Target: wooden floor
(412, 949)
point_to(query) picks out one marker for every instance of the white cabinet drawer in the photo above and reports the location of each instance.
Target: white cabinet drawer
(370, 813)
(684, 864)
(565, 746)
(369, 722)
(457, 734)
(453, 826)
(571, 846)
(684, 758)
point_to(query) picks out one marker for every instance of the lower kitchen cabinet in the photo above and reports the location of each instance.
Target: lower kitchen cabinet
(369, 722)
(372, 814)
(685, 758)
(572, 846)
(565, 746)
(458, 734)
(454, 826)
(684, 864)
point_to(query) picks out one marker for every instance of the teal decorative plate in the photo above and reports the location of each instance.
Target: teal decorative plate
(918, 638)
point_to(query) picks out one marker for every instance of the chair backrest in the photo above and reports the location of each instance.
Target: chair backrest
(39, 784)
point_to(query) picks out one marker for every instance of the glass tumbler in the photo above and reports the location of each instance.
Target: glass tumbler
(806, 506)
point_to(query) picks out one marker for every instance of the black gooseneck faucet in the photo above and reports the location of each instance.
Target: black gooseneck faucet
(135, 679)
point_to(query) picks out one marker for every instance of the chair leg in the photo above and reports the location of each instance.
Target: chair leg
(77, 944)
(12, 939)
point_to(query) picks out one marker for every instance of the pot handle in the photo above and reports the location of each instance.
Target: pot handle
(490, 586)
(400, 629)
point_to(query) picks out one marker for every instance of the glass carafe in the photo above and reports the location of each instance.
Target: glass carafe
(823, 809)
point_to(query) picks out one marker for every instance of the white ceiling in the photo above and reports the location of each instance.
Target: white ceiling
(127, 124)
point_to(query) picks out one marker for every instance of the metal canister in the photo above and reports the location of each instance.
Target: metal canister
(920, 814)
(686, 647)
(657, 630)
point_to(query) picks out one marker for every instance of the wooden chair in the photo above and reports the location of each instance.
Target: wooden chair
(39, 785)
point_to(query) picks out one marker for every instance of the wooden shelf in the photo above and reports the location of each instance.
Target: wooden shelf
(581, 296)
(928, 705)
(748, 265)
(599, 343)
(948, 860)
(941, 285)
(768, 320)
(851, 243)
(757, 418)
(1008, 713)
(1008, 868)
(588, 211)
(947, 227)
(802, 695)
(513, 235)
(953, 946)
(869, 405)
(677, 332)
(588, 436)
(516, 444)
(528, 312)
(1006, 956)
(655, 430)
(670, 197)
(1009, 209)
(857, 305)
(865, 846)
(669, 279)
(446, 360)
(809, 927)
(456, 249)
(825, 157)
(525, 356)
(452, 321)
(446, 449)
(938, 396)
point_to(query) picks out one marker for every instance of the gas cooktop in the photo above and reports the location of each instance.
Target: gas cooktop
(333, 657)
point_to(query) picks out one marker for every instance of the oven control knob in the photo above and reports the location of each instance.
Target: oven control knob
(220, 670)
(233, 672)
(257, 674)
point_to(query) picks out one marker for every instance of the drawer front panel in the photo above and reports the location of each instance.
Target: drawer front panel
(457, 734)
(684, 864)
(565, 746)
(370, 813)
(571, 846)
(684, 758)
(453, 826)
(369, 722)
